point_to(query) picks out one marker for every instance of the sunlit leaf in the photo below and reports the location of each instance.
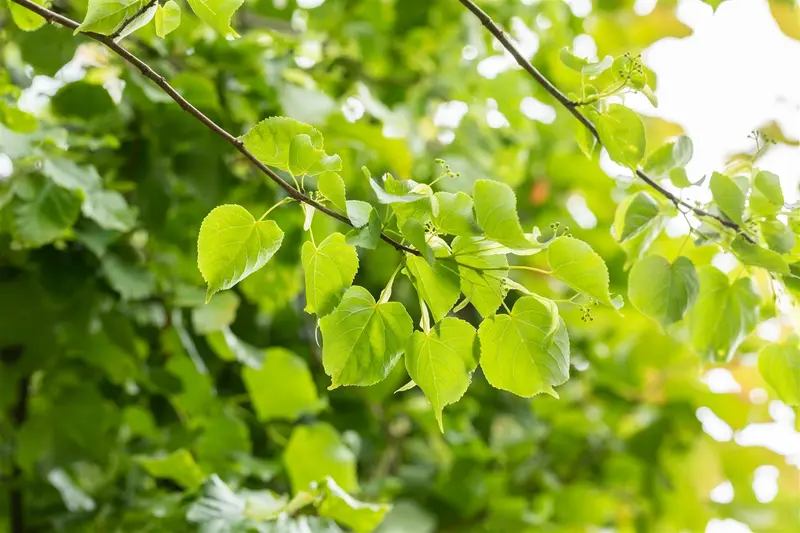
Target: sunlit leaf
(662, 290)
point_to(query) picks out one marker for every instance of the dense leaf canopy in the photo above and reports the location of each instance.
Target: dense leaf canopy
(308, 265)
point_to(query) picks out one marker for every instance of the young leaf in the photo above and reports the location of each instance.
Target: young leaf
(496, 211)
(633, 215)
(141, 20)
(673, 154)
(416, 235)
(304, 158)
(282, 389)
(271, 139)
(484, 289)
(232, 245)
(455, 214)
(362, 340)
(767, 197)
(754, 255)
(179, 466)
(780, 367)
(778, 235)
(390, 198)
(217, 14)
(729, 196)
(331, 185)
(723, 315)
(663, 291)
(105, 16)
(441, 362)
(621, 132)
(527, 351)
(438, 284)
(587, 142)
(360, 517)
(168, 18)
(329, 271)
(315, 452)
(367, 223)
(576, 264)
(422, 211)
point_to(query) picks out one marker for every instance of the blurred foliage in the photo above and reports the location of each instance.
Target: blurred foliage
(128, 403)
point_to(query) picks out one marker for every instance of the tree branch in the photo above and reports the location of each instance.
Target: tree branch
(158, 79)
(127, 22)
(571, 106)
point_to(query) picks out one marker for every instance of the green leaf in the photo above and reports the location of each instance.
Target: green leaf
(229, 347)
(754, 255)
(168, 18)
(362, 340)
(416, 235)
(584, 66)
(621, 132)
(496, 212)
(455, 214)
(329, 271)
(633, 215)
(130, 280)
(779, 365)
(140, 21)
(767, 196)
(662, 290)
(282, 389)
(359, 516)
(389, 198)
(217, 14)
(331, 185)
(778, 235)
(109, 210)
(527, 351)
(484, 289)
(438, 284)
(46, 212)
(576, 264)
(723, 315)
(271, 139)
(179, 466)
(24, 18)
(67, 174)
(304, 158)
(315, 452)
(441, 362)
(232, 245)
(729, 196)
(367, 223)
(106, 16)
(586, 140)
(422, 211)
(219, 509)
(671, 155)
(216, 314)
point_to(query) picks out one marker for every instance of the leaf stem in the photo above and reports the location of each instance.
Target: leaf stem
(278, 204)
(386, 293)
(148, 72)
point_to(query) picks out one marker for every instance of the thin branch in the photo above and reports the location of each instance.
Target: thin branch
(158, 79)
(571, 106)
(142, 10)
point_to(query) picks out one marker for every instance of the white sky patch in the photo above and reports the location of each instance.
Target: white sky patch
(6, 166)
(612, 169)
(725, 261)
(580, 8)
(494, 118)
(580, 212)
(721, 381)
(728, 525)
(584, 46)
(449, 114)
(769, 330)
(701, 85)
(469, 52)
(353, 109)
(758, 396)
(765, 483)
(722, 493)
(644, 7)
(536, 110)
(713, 425)
(310, 4)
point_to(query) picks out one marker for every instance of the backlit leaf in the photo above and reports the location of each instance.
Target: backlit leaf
(779, 365)
(729, 196)
(362, 340)
(217, 14)
(576, 264)
(633, 215)
(168, 18)
(315, 452)
(329, 271)
(622, 134)
(662, 290)
(106, 16)
(179, 466)
(232, 245)
(282, 388)
(359, 516)
(438, 284)
(496, 213)
(527, 351)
